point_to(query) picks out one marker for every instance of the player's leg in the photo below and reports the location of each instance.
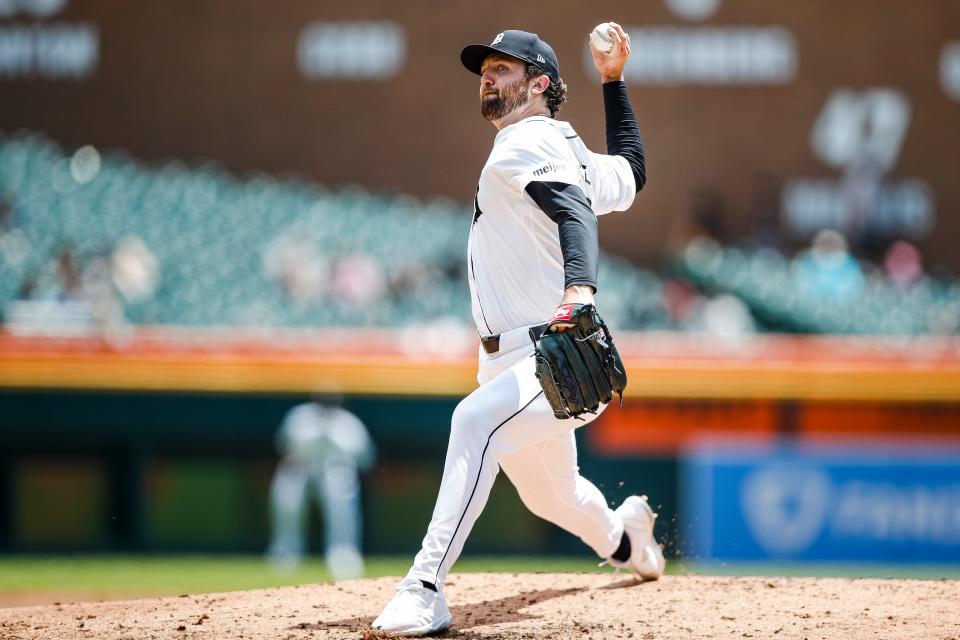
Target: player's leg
(287, 514)
(338, 485)
(548, 480)
(549, 483)
(506, 414)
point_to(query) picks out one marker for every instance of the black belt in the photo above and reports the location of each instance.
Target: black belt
(491, 344)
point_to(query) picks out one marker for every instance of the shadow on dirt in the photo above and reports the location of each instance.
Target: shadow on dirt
(623, 584)
(464, 616)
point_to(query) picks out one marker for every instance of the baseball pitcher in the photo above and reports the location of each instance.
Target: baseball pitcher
(547, 361)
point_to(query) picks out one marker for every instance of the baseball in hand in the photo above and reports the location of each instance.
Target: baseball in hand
(601, 38)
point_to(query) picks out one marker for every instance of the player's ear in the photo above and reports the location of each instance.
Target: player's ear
(541, 84)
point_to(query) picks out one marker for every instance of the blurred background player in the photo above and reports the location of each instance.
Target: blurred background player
(322, 448)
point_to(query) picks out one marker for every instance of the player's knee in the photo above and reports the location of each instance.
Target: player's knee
(536, 506)
(560, 498)
(341, 481)
(468, 419)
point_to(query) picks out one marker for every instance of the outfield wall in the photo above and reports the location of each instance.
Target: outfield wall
(165, 441)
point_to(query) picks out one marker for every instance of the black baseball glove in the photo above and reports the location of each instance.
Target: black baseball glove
(579, 368)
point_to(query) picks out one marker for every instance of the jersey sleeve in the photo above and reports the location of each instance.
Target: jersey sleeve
(566, 205)
(542, 154)
(612, 184)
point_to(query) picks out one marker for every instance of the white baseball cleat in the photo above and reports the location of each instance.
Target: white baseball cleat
(414, 611)
(646, 557)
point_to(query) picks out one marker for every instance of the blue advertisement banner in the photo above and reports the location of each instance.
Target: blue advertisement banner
(822, 502)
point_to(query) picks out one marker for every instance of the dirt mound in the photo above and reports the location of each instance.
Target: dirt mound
(555, 606)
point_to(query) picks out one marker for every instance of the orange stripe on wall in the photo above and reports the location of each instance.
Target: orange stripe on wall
(664, 427)
(659, 427)
(920, 420)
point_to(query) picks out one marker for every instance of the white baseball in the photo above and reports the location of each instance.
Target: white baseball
(601, 38)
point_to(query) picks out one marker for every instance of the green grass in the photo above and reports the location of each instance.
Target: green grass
(827, 570)
(119, 575)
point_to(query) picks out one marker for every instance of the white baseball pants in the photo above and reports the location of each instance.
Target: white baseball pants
(336, 487)
(508, 424)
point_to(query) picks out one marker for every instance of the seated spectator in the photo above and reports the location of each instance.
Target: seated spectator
(358, 279)
(826, 271)
(902, 264)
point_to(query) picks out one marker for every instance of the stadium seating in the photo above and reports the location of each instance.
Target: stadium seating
(266, 251)
(781, 297)
(258, 251)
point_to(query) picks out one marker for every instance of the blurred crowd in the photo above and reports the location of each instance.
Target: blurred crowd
(850, 281)
(74, 294)
(108, 243)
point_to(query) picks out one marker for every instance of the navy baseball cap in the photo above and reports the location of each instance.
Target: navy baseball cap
(520, 44)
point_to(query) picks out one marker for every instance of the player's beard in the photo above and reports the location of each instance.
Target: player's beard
(507, 99)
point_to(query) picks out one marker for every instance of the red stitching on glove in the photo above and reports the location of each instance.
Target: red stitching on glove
(564, 312)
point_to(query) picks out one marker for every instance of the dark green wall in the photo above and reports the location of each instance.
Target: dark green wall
(175, 472)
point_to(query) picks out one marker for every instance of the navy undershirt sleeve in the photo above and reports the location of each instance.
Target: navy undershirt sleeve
(567, 205)
(623, 133)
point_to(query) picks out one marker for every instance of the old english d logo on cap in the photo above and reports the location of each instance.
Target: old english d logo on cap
(522, 45)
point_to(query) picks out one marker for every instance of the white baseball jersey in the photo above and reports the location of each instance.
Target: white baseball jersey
(316, 435)
(515, 265)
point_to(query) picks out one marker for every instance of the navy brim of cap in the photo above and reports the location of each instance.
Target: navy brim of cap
(473, 56)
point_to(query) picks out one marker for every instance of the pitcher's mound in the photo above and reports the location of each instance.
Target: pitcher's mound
(554, 606)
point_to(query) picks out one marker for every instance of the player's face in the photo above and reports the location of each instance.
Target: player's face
(504, 86)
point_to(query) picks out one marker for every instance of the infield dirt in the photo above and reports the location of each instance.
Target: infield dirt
(561, 606)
